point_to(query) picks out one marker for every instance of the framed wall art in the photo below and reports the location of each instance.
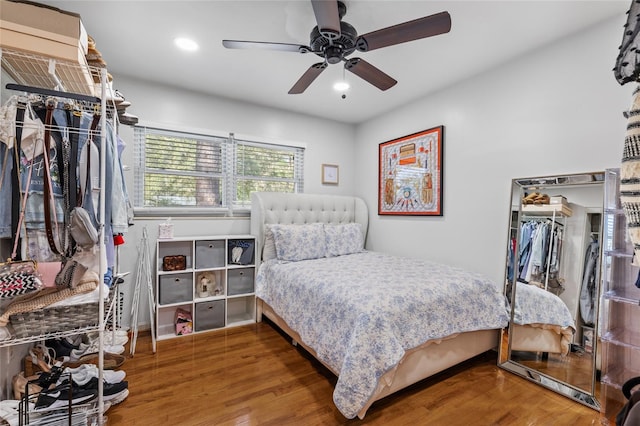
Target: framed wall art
(330, 174)
(410, 174)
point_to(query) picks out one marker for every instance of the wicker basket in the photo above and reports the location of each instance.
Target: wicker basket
(51, 320)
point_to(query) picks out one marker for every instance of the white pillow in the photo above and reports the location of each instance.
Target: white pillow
(344, 239)
(299, 242)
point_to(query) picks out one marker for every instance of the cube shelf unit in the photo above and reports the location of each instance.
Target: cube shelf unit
(216, 287)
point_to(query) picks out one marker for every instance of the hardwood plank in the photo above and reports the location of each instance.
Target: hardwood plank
(252, 375)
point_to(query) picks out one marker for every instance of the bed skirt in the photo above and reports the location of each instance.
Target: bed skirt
(417, 364)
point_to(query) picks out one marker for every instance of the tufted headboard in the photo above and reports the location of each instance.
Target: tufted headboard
(286, 208)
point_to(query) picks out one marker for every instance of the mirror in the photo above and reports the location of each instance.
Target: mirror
(552, 283)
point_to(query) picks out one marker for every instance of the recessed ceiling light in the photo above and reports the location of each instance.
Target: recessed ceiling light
(341, 86)
(186, 44)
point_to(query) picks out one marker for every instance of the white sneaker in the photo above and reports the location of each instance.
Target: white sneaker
(118, 397)
(114, 349)
(119, 340)
(93, 348)
(109, 376)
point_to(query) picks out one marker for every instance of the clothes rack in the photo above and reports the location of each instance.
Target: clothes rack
(36, 69)
(49, 92)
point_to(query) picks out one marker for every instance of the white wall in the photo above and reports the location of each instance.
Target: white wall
(557, 110)
(326, 142)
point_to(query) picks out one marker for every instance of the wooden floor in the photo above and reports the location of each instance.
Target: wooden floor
(253, 375)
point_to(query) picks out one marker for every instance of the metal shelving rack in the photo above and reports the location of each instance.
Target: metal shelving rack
(86, 86)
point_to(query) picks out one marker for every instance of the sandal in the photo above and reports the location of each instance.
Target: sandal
(19, 384)
(111, 361)
(41, 357)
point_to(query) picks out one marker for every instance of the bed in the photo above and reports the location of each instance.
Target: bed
(361, 313)
(548, 330)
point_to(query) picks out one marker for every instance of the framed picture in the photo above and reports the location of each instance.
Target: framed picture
(330, 174)
(410, 174)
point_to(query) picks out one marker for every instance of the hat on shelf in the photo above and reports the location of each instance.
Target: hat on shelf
(93, 56)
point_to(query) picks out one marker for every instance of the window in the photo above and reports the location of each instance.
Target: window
(188, 173)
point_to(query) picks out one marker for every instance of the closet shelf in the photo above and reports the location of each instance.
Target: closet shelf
(547, 209)
(50, 73)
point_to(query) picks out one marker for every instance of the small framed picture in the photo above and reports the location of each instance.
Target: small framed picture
(330, 174)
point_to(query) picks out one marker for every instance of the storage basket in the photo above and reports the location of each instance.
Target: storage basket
(55, 319)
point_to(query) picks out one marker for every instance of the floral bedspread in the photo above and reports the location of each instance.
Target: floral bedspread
(537, 306)
(361, 312)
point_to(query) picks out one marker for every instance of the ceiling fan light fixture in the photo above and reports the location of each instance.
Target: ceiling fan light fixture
(341, 86)
(186, 44)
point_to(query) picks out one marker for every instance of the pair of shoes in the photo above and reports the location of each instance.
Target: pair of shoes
(36, 383)
(114, 97)
(111, 361)
(59, 397)
(40, 358)
(21, 383)
(10, 412)
(88, 382)
(116, 398)
(62, 347)
(91, 370)
(128, 119)
(109, 340)
(122, 106)
(92, 348)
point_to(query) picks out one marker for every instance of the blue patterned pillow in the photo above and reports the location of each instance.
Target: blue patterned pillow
(344, 239)
(299, 242)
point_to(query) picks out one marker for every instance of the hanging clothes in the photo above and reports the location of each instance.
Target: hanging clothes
(589, 289)
(540, 246)
(70, 131)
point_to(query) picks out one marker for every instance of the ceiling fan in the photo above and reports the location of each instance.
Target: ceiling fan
(334, 40)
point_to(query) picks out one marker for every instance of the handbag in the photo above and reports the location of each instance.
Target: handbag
(18, 278)
(81, 228)
(174, 263)
(70, 274)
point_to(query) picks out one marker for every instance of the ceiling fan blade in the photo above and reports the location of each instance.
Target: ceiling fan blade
(327, 17)
(368, 72)
(285, 47)
(427, 26)
(307, 78)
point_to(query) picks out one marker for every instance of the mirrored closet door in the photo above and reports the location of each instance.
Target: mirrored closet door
(552, 282)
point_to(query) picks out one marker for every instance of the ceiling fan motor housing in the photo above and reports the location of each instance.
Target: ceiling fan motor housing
(334, 50)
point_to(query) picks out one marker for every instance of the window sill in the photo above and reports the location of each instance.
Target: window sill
(186, 213)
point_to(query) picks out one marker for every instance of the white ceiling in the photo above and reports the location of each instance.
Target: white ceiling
(136, 39)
